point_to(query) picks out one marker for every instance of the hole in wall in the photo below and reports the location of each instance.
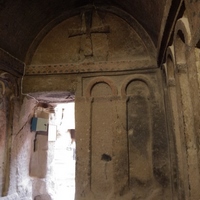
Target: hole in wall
(198, 44)
(181, 36)
(106, 157)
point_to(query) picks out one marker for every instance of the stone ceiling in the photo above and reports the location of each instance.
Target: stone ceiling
(21, 20)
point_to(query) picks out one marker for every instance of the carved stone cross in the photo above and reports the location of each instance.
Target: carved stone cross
(87, 30)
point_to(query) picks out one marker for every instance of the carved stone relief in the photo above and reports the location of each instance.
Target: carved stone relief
(72, 68)
(88, 31)
(93, 36)
(126, 143)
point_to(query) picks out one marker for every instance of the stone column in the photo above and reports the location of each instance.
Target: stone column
(176, 135)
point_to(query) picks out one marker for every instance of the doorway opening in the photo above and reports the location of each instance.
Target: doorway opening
(62, 152)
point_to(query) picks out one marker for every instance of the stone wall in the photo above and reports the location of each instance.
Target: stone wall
(21, 149)
(125, 148)
(122, 138)
(29, 156)
(21, 185)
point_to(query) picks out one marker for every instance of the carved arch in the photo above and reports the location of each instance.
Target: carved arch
(136, 78)
(147, 41)
(170, 66)
(183, 25)
(140, 105)
(182, 39)
(95, 81)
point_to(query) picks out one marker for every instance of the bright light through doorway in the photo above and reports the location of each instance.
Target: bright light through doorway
(62, 157)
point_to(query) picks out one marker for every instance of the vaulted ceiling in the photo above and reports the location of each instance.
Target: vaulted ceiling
(22, 20)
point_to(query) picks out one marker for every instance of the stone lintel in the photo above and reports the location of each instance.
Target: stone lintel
(50, 83)
(10, 64)
(104, 66)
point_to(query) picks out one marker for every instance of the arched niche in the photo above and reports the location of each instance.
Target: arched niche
(170, 67)
(100, 19)
(145, 153)
(139, 131)
(182, 39)
(101, 92)
(63, 46)
(180, 48)
(100, 87)
(109, 38)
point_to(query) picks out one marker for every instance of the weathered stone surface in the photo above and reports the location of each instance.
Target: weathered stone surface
(63, 83)
(121, 142)
(11, 197)
(120, 35)
(137, 125)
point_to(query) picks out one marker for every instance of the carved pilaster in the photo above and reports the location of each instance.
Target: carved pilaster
(8, 93)
(169, 78)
